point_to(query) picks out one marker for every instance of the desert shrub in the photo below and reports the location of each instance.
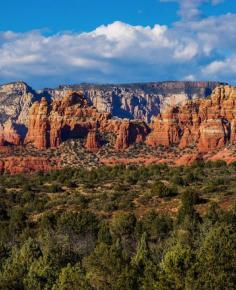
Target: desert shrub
(79, 199)
(215, 164)
(189, 178)
(82, 222)
(123, 224)
(156, 226)
(219, 181)
(178, 180)
(27, 187)
(28, 196)
(220, 163)
(55, 187)
(190, 197)
(70, 184)
(104, 234)
(161, 190)
(233, 164)
(187, 211)
(215, 185)
(18, 219)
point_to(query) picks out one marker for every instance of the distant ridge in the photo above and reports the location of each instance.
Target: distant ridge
(141, 101)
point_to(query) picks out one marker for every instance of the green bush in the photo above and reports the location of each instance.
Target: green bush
(113, 233)
(123, 224)
(55, 187)
(161, 190)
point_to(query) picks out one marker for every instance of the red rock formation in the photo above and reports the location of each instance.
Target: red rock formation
(9, 134)
(71, 117)
(38, 125)
(225, 154)
(130, 132)
(188, 159)
(201, 126)
(122, 140)
(15, 165)
(165, 130)
(207, 124)
(92, 141)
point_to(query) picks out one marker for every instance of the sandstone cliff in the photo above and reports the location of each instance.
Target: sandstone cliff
(137, 101)
(15, 101)
(92, 141)
(133, 101)
(207, 124)
(9, 134)
(192, 130)
(51, 123)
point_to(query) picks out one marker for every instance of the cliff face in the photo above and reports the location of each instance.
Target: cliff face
(207, 124)
(51, 123)
(71, 117)
(133, 101)
(15, 101)
(138, 101)
(199, 127)
(92, 141)
(9, 134)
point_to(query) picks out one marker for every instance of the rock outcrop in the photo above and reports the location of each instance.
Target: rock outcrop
(129, 133)
(15, 100)
(24, 164)
(51, 123)
(141, 101)
(194, 130)
(207, 124)
(9, 134)
(71, 117)
(92, 141)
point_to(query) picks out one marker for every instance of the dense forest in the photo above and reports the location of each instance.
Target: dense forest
(120, 228)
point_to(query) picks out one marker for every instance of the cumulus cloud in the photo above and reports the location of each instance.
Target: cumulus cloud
(119, 52)
(190, 9)
(222, 68)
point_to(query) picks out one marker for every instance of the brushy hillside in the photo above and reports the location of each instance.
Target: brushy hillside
(121, 228)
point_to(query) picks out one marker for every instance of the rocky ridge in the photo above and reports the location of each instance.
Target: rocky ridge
(137, 101)
(69, 131)
(15, 100)
(207, 124)
(51, 123)
(141, 101)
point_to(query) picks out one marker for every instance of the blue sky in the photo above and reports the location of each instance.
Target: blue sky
(48, 42)
(85, 15)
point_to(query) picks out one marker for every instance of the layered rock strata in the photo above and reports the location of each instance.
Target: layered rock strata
(207, 124)
(138, 101)
(71, 117)
(195, 130)
(23, 164)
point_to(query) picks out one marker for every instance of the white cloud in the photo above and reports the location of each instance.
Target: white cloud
(222, 67)
(186, 52)
(214, 67)
(190, 9)
(190, 78)
(119, 52)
